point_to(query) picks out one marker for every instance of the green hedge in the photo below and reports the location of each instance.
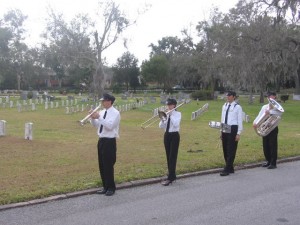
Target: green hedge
(284, 97)
(202, 95)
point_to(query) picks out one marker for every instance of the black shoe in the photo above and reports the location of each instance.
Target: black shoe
(101, 192)
(265, 164)
(272, 167)
(224, 173)
(109, 193)
(166, 182)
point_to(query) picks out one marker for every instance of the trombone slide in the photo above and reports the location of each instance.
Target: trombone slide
(88, 117)
(161, 115)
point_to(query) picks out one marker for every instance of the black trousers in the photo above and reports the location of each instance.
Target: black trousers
(270, 146)
(171, 142)
(229, 147)
(107, 154)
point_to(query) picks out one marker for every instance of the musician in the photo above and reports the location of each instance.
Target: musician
(270, 143)
(171, 124)
(107, 122)
(230, 134)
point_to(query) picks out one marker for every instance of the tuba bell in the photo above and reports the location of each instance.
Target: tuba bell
(267, 122)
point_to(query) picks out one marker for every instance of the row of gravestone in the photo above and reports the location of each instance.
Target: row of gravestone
(120, 108)
(7, 100)
(204, 108)
(28, 135)
(31, 105)
(200, 111)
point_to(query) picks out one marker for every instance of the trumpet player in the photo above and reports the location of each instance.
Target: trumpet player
(107, 123)
(171, 124)
(270, 143)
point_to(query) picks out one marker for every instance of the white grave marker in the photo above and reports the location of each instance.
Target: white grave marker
(2, 128)
(28, 131)
(67, 110)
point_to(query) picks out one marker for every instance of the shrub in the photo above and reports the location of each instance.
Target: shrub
(63, 91)
(284, 98)
(30, 95)
(116, 89)
(202, 95)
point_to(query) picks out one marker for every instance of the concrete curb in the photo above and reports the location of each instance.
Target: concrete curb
(135, 183)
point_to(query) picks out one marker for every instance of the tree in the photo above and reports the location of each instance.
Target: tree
(114, 24)
(13, 47)
(156, 70)
(126, 71)
(176, 51)
(290, 43)
(72, 42)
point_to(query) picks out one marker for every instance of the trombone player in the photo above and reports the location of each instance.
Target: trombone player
(171, 124)
(107, 123)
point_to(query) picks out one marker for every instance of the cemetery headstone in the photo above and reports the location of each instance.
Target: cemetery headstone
(35, 94)
(29, 131)
(23, 95)
(2, 128)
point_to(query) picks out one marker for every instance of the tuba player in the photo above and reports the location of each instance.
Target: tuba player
(270, 144)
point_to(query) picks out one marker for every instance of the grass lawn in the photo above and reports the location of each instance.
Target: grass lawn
(62, 157)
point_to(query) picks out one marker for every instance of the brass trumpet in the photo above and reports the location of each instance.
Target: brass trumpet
(161, 116)
(88, 117)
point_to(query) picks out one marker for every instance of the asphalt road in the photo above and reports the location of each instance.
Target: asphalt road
(257, 196)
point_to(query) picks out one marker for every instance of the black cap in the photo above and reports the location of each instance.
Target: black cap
(229, 93)
(171, 101)
(108, 97)
(271, 93)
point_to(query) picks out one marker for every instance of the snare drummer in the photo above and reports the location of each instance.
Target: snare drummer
(233, 122)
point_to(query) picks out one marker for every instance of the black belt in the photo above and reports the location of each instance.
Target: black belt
(106, 138)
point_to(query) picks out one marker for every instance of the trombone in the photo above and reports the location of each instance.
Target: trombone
(161, 116)
(88, 117)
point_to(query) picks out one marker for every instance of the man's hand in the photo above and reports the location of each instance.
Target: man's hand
(95, 115)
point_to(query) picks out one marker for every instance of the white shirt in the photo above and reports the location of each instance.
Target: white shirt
(263, 110)
(175, 118)
(110, 123)
(235, 115)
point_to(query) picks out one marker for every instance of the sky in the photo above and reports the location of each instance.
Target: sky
(163, 18)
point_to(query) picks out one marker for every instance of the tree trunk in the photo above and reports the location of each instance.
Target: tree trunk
(59, 83)
(98, 82)
(250, 102)
(19, 82)
(297, 81)
(261, 99)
